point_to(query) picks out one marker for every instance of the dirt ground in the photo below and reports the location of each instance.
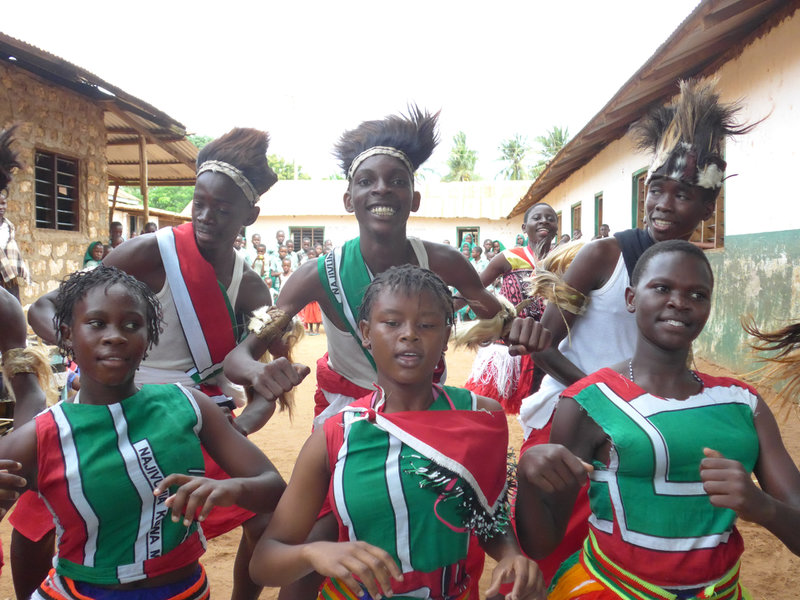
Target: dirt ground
(768, 567)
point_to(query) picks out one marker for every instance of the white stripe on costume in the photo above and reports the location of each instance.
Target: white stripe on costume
(394, 485)
(74, 487)
(148, 515)
(338, 475)
(183, 304)
(661, 486)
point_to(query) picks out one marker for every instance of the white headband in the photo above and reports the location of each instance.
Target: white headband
(242, 182)
(388, 150)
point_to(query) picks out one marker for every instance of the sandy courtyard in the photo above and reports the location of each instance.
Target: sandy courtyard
(769, 570)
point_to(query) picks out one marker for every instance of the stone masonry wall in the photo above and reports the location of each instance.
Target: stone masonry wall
(53, 119)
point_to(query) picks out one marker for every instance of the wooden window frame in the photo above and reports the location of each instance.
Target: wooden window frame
(579, 207)
(598, 212)
(56, 191)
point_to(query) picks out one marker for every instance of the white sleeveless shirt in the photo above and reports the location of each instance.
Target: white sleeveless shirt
(603, 336)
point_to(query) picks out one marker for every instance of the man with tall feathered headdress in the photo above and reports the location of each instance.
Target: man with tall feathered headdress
(683, 181)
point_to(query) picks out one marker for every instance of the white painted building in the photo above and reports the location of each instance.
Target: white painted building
(447, 210)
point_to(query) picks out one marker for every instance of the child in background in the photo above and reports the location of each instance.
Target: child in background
(259, 264)
(408, 537)
(94, 255)
(311, 314)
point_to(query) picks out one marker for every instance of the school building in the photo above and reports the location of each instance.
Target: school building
(753, 239)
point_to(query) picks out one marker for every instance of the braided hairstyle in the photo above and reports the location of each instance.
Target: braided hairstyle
(411, 280)
(75, 287)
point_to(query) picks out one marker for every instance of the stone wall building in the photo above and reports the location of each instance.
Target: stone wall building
(76, 135)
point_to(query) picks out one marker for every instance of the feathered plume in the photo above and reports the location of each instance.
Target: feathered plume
(414, 134)
(781, 352)
(686, 137)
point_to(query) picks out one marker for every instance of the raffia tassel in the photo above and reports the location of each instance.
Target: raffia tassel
(546, 280)
(485, 331)
(268, 324)
(35, 358)
(474, 517)
(780, 352)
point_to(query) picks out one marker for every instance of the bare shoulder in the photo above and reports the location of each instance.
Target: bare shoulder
(141, 258)
(253, 293)
(484, 403)
(446, 261)
(593, 265)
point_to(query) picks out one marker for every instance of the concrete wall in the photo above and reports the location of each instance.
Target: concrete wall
(755, 270)
(54, 120)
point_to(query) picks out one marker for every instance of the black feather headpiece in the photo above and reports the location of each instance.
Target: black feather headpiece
(686, 137)
(414, 135)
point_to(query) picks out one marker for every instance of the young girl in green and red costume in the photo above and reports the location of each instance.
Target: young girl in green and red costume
(206, 291)
(120, 469)
(670, 455)
(413, 468)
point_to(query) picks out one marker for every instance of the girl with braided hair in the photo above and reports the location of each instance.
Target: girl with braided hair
(207, 291)
(405, 443)
(120, 469)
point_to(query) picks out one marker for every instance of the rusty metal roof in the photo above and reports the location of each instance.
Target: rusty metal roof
(170, 156)
(714, 33)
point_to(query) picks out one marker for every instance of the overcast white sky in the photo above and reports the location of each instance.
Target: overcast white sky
(307, 71)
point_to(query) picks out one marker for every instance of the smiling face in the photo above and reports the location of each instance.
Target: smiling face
(108, 337)
(541, 224)
(219, 210)
(382, 194)
(674, 209)
(672, 299)
(407, 335)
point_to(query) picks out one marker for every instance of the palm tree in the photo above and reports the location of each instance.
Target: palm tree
(551, 145)
(461, 161)
(513, 152)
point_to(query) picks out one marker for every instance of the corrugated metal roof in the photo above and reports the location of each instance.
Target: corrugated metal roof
(170, 156)
(714, 33)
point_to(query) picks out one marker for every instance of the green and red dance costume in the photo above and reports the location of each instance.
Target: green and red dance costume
(97, 468)
(654, 534)
(428, 487)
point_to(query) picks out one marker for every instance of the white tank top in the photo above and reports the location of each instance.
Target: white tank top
(172, 353)
(603, 336)
(344, 351)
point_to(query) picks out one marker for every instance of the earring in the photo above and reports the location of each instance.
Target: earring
(366, 344)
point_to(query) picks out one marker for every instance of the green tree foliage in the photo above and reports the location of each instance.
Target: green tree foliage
(461, 161)
(551, 144)
(173, 197)
(512, 152)
(285, 169)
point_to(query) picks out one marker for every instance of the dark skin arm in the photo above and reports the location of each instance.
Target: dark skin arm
(242, 365)
(18, 449)
(550, 476)
(30, 398)
(255, 483)
(774, 505)
(455, 270)
(496, 267)
(281, 557)
(512, 564)
(590, 270)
